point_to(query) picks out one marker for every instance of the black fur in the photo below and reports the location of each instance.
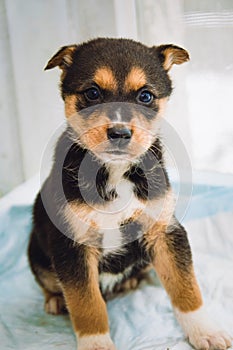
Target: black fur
(120, 55)
(53, 248)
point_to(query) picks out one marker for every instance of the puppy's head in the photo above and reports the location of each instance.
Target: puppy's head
(115, 91)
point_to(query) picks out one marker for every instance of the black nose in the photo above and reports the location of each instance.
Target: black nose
(120, 137)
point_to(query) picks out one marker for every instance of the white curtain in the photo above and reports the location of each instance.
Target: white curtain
(31, 108)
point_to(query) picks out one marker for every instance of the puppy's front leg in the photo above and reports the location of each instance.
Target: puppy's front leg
(87, 309)
(171, 255)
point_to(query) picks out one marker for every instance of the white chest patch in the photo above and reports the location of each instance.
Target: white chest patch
(114, 213)
(106, 218)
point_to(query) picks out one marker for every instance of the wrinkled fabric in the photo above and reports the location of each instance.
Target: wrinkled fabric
(139, 320)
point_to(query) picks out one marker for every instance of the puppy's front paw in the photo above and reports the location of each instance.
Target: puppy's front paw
(201, 331)
(210, 340)
(96, 342)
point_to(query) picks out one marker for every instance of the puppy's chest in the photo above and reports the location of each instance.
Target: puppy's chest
(106, 220)
(121, 207)
(116, 212)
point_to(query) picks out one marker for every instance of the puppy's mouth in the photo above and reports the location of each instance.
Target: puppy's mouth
(117, 152)
(116, 155)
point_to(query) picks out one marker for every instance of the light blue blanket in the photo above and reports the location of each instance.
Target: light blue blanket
(139, 320)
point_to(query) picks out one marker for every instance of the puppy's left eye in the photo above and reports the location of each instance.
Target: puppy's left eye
(92, 94)
(145, 97)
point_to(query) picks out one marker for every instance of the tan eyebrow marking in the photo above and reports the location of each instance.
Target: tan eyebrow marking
(135, 80)
(70, 105)
(104, 77)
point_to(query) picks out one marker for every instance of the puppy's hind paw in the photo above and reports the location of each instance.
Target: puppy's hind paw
(55, 305)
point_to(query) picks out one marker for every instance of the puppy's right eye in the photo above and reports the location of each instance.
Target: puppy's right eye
(145, 97)
(92, 94)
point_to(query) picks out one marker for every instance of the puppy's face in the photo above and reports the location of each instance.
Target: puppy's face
(115, 91)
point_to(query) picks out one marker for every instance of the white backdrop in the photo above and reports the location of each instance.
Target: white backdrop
(31, 108)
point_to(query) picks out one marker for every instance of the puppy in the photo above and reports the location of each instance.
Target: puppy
(105, 215)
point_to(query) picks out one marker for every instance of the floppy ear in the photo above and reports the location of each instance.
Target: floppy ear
(63, 58)
(171, 54)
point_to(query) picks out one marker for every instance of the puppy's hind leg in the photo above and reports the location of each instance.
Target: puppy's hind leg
(46, 278)
(54, 303)
(54, 300)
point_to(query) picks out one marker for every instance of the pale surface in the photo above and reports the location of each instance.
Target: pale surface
(200, 108)
(141, 320)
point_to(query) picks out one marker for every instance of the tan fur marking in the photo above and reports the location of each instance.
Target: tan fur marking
(181, 286)
(62, 57)
(174, 56)
(162, 106)
(142, 139)
(54, 303)
(155, 230)
(135, 80)
(80, 217)
(92, 130)
(88, 224)
(128, 285)
(104, 77)
(81, 210)
(86, 306)
(144, 130)
(95, 137)
(70, 105)
(137, 214)
(161, 210)
(48, 280)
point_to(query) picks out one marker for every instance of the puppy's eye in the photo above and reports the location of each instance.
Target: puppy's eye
(92, 94)
(145, 97)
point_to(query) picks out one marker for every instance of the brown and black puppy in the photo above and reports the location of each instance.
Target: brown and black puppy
(105, 214)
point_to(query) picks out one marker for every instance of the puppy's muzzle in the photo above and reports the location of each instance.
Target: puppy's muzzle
(119, 137)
